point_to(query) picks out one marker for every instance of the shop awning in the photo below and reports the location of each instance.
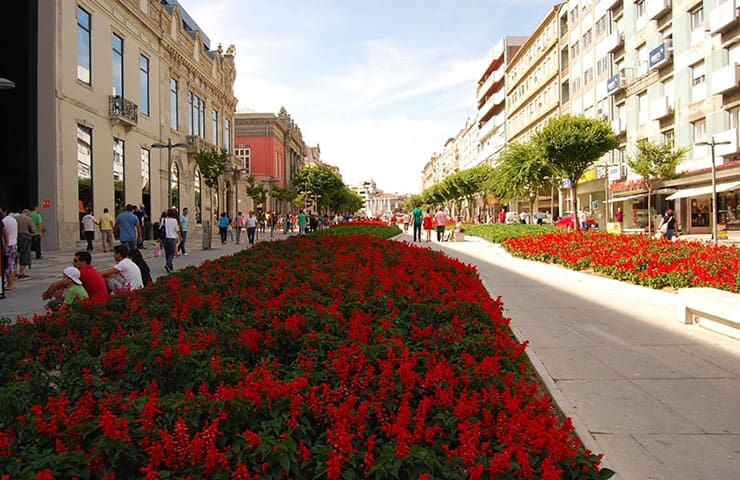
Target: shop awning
(707, 190)
(624, 199)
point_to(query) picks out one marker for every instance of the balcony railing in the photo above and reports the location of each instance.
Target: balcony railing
(197, 143)
(660, 108)
(724, 16)
(122, 110)
(726, 79)
(656, 8)
(615, 41)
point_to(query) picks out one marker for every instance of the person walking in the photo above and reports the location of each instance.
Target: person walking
(184, 231)
(128, 227)
(440, 218)
(25, 231)
(10, 237)
(251, 223)
(427, 221)
(417, 214)
(106, 223)
(668, 225)
(223, 227)
(88, 228)
(239, 226)
(171, 235)
(301, 220)
(38, 226)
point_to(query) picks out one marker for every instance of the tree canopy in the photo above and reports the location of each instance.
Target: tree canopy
(212, 164)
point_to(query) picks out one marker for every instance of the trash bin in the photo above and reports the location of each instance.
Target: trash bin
(206, 235)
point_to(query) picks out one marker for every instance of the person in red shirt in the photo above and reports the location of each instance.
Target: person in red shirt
(92, 280)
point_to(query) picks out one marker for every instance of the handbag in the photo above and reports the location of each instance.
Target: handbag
(663, 228)
(157, 250)
(162, 231)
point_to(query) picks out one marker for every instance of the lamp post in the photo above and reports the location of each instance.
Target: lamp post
(713, 144)
(169, 146)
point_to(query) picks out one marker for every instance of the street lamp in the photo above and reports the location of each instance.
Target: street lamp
(713, 144)
(6, 84)
(169, 146)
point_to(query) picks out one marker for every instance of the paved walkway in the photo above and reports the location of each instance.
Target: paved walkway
(661, 399)
(26, 300)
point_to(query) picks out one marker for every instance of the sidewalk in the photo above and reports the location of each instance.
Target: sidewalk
(658, 397)
(26, 300)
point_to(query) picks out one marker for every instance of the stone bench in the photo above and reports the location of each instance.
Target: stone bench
(459, 236)
(714, 309)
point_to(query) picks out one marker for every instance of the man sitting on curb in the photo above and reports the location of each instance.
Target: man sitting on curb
(92, 280)
(73, 289)
(124, 275)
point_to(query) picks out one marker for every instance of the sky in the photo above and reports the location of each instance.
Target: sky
(379, 85)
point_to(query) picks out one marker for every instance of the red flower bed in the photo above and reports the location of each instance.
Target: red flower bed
(317, 357)
(635, 258)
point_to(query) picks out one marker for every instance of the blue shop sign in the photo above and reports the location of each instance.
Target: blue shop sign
(612, 84)
(657, 55)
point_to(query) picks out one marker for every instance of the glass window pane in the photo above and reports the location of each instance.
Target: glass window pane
(144, 85)
(84, 172)
(83, 46)
(173, 104)
(117, 65)
(118, 175)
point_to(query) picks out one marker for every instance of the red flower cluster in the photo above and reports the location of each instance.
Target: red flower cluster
(635, 258)
(331, 357)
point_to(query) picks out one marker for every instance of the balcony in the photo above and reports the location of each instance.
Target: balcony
(731, 136)
(725, 79)
(614, 41)
(724, 16)
(657, 8)
(661, 108)
(619, 126)
(197, 143)
(610, 4)
(122, 111)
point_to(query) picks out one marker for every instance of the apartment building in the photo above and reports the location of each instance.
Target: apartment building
(676, 80)
(110, 80)
(270, 148)
(587, 37)
(491, 100)
(533, 81)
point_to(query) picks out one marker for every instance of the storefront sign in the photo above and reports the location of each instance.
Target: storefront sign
(45, 203)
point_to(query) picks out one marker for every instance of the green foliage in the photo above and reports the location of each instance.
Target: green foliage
(212, 164)
(495, 233)
(344, 200)
(256, 190)
(522, 169)
(320, 181)
(655, 162)
(382, 231)
(572, 143)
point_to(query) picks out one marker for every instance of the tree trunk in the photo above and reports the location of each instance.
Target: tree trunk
(650, 213)
(574, 200)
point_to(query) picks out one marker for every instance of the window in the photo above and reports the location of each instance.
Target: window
(144, 85)
(642, 107)
(699, 130)
(587, 38)
(244, 154)
(146, 175)
(565, 91)
(697, 18)
(642, 58)
(564, 58)
(84, 57)
(734, 117)
(117, 65)
(196, 115)
(669, 137)
(214, 126)
(175, 186)
(640, 8)
(198, 187)
(174, 124)
(698, 82)
(227, 135)
(119, 180)
(84, 172)
(574, 50)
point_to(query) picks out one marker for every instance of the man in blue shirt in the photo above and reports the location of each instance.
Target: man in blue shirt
(128, 228)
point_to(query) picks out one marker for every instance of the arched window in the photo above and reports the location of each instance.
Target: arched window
(175, 186)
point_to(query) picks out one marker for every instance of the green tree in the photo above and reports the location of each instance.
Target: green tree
(521, 172)
(345, 200)
(571, 144)
(211, 163)
(655, 162)
(319, 181)
(283, 194)
(256, 190)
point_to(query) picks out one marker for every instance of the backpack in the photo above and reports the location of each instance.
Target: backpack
(162, 231)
